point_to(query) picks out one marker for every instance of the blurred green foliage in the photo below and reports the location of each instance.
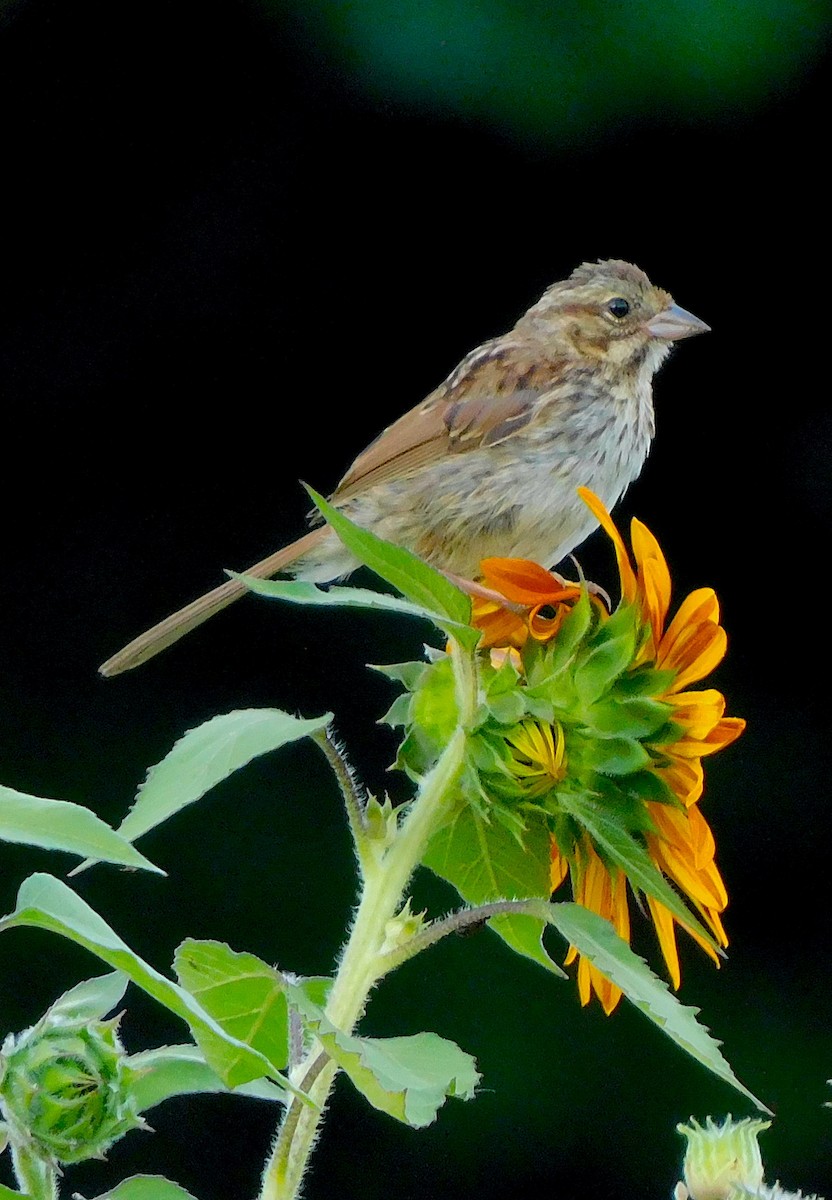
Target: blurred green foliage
(566, 71)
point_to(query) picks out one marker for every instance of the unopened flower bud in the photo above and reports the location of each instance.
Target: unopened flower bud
(721, 1160)
(66, 1089)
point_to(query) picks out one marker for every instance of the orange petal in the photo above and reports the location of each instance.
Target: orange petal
(666, 933)
(629, 586)
(521, 580)
(543, 629)
(499, 626)
(654, 575)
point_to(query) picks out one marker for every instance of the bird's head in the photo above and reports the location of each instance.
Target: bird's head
(610, 311)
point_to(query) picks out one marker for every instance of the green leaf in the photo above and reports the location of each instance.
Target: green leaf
(244, 995)
(7, 1193)
(59, 825)
(408, 573)
(92, 999)
(298, 592)
(619, 847)
(407, 1077)
(486, 861)
(595, 673)
(595, 937)
(142, 1187)
(182, 1070)
(44, 902)
(618, 756)
(205, 756)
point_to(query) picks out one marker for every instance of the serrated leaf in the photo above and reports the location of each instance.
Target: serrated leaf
(141, 1187)
(595, 938)
(407, 1077)
(408, 573)
(486, 861)
(243, 994)
(206, 755)
(60, 825)
(620, 848)
(92, 999)
(182, 1071)
(44, 902)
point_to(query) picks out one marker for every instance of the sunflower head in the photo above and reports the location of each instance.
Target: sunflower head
(588, 727)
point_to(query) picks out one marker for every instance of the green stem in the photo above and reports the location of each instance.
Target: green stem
(351, 790)
(35, 1178)
(456, 922)
(360, 965)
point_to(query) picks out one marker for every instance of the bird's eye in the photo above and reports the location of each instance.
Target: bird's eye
(618, 307)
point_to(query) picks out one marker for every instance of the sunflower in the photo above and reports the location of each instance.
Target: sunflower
(631, 743)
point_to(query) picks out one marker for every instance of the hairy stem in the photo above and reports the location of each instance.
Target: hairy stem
(362, 962)
(351, 789)
(35, 1178)
(456, 922)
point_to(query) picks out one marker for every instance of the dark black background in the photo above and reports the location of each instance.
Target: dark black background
(224, 268)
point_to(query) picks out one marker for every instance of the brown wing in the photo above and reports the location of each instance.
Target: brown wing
(491, 394)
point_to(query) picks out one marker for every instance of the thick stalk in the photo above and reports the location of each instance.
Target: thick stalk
(381, 898)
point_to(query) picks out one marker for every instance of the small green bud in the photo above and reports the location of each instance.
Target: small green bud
(66, 1089)
(721, 1160)
(402, 928)
(382, 822)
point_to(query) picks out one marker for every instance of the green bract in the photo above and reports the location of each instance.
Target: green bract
(66, 1090)
(584, 683)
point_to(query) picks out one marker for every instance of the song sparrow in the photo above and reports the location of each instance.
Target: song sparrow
(489, 463)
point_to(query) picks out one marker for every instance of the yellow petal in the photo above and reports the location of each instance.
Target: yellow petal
(685, 777)
(559, 868)
(697, 712)
(694, 655)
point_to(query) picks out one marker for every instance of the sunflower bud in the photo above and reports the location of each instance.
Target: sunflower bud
(722, 1161)
(66, 1089)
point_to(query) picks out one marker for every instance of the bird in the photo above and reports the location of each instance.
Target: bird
(490, 462)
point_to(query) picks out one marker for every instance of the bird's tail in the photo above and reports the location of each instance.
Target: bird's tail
(150, 643)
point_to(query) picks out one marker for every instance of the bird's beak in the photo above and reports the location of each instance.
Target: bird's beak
(673, 323)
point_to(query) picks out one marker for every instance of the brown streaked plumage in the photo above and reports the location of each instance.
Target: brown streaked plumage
(490, 462)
